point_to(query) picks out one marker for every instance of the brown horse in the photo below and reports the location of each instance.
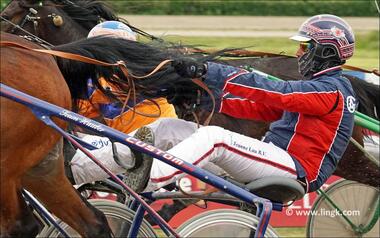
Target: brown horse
(58, 21)
(26, 145)
(31, 153)
(354, 165)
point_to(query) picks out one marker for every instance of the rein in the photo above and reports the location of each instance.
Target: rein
(374, 71)
(250, 53)
(38, 39)
(201, 84)
(196, 81)
(67, 55)
(84, 59)
(122, 66)
(236, 53)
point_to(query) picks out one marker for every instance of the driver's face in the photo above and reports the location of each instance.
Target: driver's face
(303, 48)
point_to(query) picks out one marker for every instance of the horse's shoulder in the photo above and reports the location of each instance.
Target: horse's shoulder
(19, 40)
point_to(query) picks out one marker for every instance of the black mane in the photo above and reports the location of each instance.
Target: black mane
(368, 95)
(87, 13)
(140, 59)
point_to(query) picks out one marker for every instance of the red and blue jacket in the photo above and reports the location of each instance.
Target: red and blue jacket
(312, 120)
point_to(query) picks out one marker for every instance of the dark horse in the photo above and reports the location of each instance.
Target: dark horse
(354, 164)
(58, 21)
(31, 152)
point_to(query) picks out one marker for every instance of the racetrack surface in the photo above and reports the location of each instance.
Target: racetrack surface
(234, 26)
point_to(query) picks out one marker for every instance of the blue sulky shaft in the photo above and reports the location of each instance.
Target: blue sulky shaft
(45, 109)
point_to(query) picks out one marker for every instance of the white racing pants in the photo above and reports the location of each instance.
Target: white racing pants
(167, 132)
(244, 158)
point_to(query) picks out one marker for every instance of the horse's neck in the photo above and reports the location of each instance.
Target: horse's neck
(71, 31)
(283, 67)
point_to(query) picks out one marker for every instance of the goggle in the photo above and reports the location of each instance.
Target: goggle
(305, 46)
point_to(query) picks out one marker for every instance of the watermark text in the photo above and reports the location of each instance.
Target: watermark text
(322, 212)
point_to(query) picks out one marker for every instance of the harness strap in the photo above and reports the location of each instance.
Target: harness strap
(197, 81)
(250, 53)
(238, 53)
(374, 71)
(88, 60)
(158, 67)
(65, 55)
(120, 64)
(85, 59)
(201, 84)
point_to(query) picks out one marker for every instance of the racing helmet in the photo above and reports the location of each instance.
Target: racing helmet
(331, 42)
(114, 29)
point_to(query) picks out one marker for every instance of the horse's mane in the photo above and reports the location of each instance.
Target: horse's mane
(140, 59)
(87, 13)
(368, 94)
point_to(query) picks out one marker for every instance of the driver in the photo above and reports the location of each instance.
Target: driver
(312, 119)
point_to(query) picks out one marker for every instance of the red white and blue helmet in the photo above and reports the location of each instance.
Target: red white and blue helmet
(328, 30)
(113, 29)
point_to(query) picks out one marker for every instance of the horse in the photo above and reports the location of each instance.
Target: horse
(25, 145)
(31, 152)
(59, 16)
(354, 165)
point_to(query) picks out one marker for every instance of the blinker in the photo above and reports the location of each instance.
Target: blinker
(57, 19)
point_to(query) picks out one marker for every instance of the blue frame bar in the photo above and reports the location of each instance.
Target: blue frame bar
(42, 210)
(43, 110)
(139, 216)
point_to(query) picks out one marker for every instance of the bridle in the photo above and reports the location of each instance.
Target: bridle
(31, 16)
(29, 35)
(57, 20)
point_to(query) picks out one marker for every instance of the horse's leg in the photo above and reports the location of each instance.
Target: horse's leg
(47, 181)
(355, 166)
(16, 218)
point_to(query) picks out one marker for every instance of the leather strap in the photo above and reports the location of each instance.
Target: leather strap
(120, 64)
(201, 84)
(65, 55)
(250, 53)
(158, 67)
(374, 71)
(237, 53)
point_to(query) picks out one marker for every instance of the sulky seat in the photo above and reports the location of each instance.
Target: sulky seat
(277, 189)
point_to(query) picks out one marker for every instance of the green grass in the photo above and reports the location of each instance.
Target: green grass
(366, 52)
(291, 231)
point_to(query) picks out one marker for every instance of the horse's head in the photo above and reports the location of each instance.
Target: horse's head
(55, 21)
